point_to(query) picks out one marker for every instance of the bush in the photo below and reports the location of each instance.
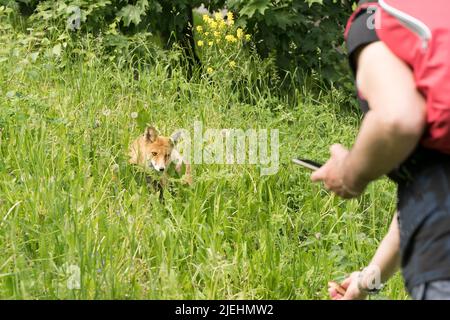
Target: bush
(162, 22)
(229, 59)
(302, 34)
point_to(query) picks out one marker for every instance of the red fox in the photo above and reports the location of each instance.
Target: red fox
(156, 152)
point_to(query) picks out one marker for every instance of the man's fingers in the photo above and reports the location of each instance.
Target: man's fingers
(318, 175)
(336, 287)
(333, 293)
(345, 284)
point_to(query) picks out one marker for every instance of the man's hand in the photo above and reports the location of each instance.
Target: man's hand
(350, 285)
(333, 174)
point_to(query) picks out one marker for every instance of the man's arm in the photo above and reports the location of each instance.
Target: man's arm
(390, 131)
(395, 123)
(387, 257)
(384, 264)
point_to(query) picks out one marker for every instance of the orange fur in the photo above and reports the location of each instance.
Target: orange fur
(156, 152)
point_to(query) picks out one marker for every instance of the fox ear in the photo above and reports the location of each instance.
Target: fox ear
(151, 134)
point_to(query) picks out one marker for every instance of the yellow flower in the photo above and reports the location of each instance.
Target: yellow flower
(200, 43)
(206, 33)
(216, 34)
(248, 37)
(222, 24)
(239, 33)
(232, 64)
(199, 29)
(218, 16)
(210, 43)
(230, 17)
(230, 38)
(205, 18)
(213, 24)
(210, 70)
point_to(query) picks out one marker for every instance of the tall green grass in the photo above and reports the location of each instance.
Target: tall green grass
(69, 199)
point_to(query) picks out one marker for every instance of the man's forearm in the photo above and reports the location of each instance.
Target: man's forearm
(387, 258)
(380, 147)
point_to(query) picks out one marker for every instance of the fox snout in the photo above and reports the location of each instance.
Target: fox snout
(157, 166)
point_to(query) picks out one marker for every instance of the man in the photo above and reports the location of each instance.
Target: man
(389, 143)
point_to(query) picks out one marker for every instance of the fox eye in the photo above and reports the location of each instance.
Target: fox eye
(154, 154)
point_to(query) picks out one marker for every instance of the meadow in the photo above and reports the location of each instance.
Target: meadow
(78, 222)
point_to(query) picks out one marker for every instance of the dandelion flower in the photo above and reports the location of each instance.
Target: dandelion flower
(200, 43)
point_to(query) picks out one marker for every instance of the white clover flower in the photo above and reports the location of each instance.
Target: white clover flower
(134, 115)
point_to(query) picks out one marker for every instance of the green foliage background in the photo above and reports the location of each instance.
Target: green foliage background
(302, 35)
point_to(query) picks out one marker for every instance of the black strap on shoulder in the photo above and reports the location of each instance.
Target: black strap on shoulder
(361, 33)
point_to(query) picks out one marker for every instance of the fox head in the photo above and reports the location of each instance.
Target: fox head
(152, 150)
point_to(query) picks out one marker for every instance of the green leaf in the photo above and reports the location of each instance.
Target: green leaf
(131, 14)
(311, 2)
(254, 6)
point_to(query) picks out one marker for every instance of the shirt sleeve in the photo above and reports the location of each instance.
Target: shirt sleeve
(362, 32)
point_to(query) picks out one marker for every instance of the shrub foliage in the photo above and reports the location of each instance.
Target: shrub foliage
(299, 34)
